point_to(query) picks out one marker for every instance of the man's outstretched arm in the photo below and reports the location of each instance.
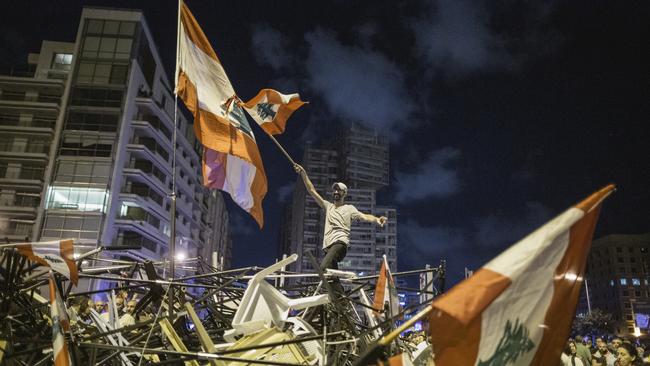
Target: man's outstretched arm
(381, 220)
(309, 185)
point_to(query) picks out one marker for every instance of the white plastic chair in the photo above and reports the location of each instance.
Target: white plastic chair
(263, 306)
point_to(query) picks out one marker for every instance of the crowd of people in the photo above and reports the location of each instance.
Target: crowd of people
(616, 351)
(79, 310)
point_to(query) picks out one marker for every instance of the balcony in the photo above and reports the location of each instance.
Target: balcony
(150, 169)
(23, 203)
(132, 238)
(144, 191)
(12, 122)
(23, 99)
(153, 146)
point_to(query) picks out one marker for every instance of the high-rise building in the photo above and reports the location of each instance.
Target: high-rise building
(90, 137)
(617, 277)
(359, 158)
(30, 104)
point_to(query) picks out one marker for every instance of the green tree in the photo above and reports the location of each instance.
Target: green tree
(595, 323)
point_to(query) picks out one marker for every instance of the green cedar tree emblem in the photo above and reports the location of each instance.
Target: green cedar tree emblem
(514, 343)
(265, 110)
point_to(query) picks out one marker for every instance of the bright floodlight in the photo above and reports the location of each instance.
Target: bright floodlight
(180, 256)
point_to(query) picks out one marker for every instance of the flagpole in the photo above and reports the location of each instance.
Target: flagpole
(172, 234)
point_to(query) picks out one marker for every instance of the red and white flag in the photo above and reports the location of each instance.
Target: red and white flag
(231, 159)
(60, 325)
(271, 109)
(518, 308)
(57, 254)
(386, 292)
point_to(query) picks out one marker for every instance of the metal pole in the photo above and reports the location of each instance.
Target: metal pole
(172, 234)
(587, 293)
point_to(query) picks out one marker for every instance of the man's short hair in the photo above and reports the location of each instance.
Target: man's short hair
(340, 186)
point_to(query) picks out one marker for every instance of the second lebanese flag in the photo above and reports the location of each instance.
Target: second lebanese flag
(271, 109)
(518, 308)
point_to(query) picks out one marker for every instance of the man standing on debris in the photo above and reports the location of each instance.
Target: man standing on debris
(338, 217)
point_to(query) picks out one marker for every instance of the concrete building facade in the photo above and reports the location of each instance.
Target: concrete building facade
(96, 156)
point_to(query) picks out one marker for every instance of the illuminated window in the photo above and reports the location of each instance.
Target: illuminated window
(62, 61)
(636, 282)
(80, 199)
(623, 281)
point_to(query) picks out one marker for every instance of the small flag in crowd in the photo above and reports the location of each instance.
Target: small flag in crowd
(518, 308)
(271, 109)
(57, 254)
(386, 292)
(60, 324)
(231, 159)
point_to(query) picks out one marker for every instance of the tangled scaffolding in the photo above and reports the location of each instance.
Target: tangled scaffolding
(243, 316)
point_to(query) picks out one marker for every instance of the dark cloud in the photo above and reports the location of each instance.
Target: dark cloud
(357, 84)
(469, 245)
(354, 82)
(435, 177)
(496, 231)
(270, 47)
(454, 34)
(456, 37)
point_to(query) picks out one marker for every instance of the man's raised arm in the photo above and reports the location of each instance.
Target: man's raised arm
(309, 185)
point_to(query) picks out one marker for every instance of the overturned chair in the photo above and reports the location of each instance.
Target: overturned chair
(263, 306)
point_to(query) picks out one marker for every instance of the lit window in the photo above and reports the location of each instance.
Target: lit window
(636, 282)
(611, 283)
(623, 281)
(62, 61)
(80, 199)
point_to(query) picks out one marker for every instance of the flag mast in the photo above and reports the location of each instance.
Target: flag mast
(172, 233)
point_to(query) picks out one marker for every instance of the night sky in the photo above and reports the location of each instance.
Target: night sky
(501, 114)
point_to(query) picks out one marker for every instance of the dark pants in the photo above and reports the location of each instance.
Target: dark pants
(333, 255)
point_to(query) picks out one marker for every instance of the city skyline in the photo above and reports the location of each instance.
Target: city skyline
(500, 116)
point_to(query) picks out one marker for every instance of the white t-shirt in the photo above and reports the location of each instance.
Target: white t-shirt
(566, 360)
(337, 223)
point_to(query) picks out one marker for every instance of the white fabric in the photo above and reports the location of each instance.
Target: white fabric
(208, 76)
(274, 107)
(126, 320)
(57, 315)
(566, 360)
(530, 264)
(239, 179)
(50, 251)
(338, 222)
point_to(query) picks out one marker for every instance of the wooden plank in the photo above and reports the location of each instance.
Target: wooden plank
(175, 340)
(204, 338)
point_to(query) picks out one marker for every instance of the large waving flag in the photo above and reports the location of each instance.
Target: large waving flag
(518, 308)
(231, 159)
(271, 109)
(57, 254)
(386, 292)
(60, 324)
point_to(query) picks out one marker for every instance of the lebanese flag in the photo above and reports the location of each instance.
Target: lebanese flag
(57, 254)
(518, 308)
(231, 159)
(385, 291)
(271, 109)
(60, 324)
